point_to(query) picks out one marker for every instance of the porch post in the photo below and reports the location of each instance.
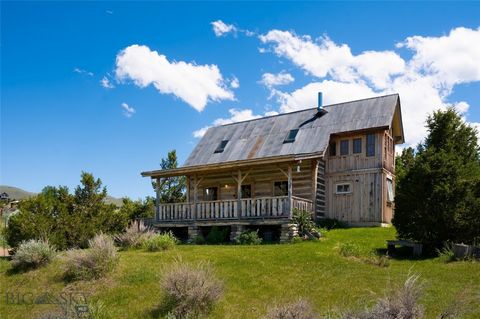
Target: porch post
(195, 196)
(290, 191)
(239, 194)
(157, 199)
(188, 188)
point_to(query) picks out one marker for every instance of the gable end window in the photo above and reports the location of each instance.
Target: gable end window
(344, 147)
(343, 188)
(221, 146)
(357, 145)
(291, 136)
(371, 145)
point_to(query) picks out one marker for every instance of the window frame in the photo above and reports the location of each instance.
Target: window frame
(217, 193)
(332, 148)
(390, 190)
(359, 145)
(242, 190)
(221, 147)
(370, 145)
(290, 139)
(343, 192)
(274, 188)
(342, 147)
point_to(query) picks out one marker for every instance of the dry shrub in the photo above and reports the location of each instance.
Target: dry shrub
(99, 259)
(300, 309)
(191, 291)
(32, 254)
(401, 303)
(135, 235)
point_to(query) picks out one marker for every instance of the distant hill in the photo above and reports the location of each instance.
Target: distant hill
(18, 193)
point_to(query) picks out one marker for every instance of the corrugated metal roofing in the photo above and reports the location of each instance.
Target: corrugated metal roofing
(265, 137)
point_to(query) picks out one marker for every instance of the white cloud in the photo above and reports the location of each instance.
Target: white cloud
(128, 111)
(220, 28)
(323, 57)
(424, 82)
(234, 83)
(105, 82)
(82, 71)
(452, 58)
(235, 116)
(195, 84)
(270, 80)
(333, 92)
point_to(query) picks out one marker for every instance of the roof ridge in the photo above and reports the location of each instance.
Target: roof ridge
(304, 110)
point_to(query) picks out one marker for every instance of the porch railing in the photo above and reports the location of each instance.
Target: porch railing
(260, 207)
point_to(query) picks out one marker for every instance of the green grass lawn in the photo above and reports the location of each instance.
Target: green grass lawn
(256, 277)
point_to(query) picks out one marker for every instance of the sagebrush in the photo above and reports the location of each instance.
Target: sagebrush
(135, 235)
(95, 262)
(32, 254)
(191, 291)
(299, 309)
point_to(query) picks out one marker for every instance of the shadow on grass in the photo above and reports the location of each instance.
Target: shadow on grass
(161, 310)
(403, 253)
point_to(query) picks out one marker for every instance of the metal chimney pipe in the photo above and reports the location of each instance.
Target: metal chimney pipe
(320, 101)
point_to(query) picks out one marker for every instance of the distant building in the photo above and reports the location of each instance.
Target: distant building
(4, 196)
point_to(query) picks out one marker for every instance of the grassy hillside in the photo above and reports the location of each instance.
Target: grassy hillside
(18, 193)
(256, 277)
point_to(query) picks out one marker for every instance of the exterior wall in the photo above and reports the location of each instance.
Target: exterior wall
(261, 180)
(366, 203)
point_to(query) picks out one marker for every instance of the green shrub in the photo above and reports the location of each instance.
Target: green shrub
(300, 309)
(135, 235)
(159, 242)
(199, 240)
(95, 262)
(32, 254)
(249, 237)
(191, 291)
(446, 254)
(349, 249)
(305, 224)
(331, 223)
(217, 235)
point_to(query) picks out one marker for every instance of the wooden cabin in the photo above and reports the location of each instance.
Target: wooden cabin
(335, 161)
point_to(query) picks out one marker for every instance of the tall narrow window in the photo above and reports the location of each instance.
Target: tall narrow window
(221, 146)
(370, 144)
(332, 148)
(344, 147)
(280, 188)
(357, 145)
(390, 194)
(291, 136)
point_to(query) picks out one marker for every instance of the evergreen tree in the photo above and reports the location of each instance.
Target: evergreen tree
(437, 197)
(172, 189)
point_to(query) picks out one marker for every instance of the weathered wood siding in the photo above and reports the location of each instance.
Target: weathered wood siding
(320, 200)
(366, 203)
(261, 180)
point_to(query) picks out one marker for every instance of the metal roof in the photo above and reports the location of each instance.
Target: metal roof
(264, 137)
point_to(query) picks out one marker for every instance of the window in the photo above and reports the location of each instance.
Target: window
(210, 193)
(343, 188)
(344, 147)
(246, 191)
(390, 194)
(333, 148)
(291, 136)
(280, 188)
(371, 145)
(221, 146)
(357, 145)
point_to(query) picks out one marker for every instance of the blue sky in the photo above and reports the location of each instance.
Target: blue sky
(167, 74)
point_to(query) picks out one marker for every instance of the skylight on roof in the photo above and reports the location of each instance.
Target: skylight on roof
(221, 146)
(291, 136)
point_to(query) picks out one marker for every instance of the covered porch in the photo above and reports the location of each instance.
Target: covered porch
(267, 192)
